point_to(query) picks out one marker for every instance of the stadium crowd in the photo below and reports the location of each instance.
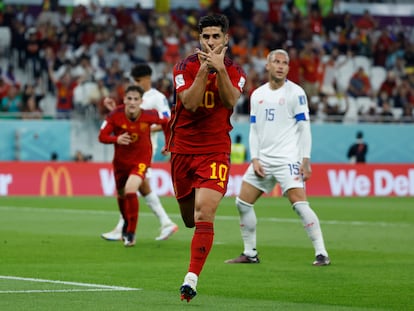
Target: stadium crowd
(353, 68)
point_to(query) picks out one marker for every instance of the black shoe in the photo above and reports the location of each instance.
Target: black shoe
(244, 259)
(187, 292)
(322, 260)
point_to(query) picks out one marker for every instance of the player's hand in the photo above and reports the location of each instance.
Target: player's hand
(124, 139)
(305, 169)
(109, 103)
(258, 168)
(164, 151)
(213, 58)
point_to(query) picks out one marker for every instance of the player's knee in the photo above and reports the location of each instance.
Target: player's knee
(242, 206)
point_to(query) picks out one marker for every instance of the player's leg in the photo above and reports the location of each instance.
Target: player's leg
(168, 227)
(120, 179)
(131, 209)
(116, 233)
(251, 189)
(245, 205)
(206, 203)
(311, 224)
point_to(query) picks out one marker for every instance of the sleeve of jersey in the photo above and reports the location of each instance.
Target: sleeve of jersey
(237, 77)
(302, 119)
(105, 133)
(253, 135)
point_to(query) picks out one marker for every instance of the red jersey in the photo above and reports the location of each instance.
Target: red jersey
(207, 129)
(140, 149)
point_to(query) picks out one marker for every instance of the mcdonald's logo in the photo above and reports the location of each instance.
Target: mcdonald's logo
(56, 175)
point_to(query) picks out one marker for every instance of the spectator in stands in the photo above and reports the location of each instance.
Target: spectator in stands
(30, 108)
(386, 114)
(389, 85)
(65, 86)
(4, 86)
(404, 94)
(359, 85)
(309, 61)
(12, 102)
(407, 115)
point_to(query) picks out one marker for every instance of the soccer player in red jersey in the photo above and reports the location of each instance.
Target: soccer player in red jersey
(128, 127)
(208, 85)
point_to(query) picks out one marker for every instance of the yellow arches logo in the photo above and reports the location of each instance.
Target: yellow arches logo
(56, 176)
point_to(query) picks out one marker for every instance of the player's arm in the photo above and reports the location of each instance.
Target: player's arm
(228, 93)
(109, 103)
(194, 95)
(254, 142)
(305, 146)
(106, 135)
(215, 59)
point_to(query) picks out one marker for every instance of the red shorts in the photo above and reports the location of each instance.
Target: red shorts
(189, 172)
(121, 174)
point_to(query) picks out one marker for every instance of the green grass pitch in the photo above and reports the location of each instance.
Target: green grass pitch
(52, 258)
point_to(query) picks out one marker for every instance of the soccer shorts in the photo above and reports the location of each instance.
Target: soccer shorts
(121, 174)
(189, 172)
(287, 175)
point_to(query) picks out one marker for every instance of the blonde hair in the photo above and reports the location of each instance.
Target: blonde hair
(278, 51)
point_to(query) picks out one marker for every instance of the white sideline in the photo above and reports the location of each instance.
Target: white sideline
(98, 287)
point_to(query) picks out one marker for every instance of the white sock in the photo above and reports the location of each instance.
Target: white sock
(155, 205)
(120, 224)
(311, 224)
(191, 279)
(248, 222)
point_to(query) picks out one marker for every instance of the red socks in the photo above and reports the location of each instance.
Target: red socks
(131, 207)
(201, 245)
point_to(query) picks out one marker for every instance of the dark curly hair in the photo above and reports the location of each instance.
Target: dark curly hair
(214, 21)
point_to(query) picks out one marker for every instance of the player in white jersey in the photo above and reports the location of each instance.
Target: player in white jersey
(280, 146)
(152, 99)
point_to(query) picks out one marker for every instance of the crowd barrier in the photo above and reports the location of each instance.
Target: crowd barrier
(96, 179)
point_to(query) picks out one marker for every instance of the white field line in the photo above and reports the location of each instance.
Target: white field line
(231, 218)
(93, 287)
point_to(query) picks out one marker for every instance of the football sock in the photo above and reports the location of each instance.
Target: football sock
(120, 223)
(191, 279)
(248, 222)
(131, 207)
(311, 224)
(201, 245)
(155, 205)
(121, 204)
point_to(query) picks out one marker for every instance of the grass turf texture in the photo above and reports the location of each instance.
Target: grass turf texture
(370, 241)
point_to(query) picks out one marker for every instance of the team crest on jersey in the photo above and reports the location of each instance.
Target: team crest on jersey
(302, 100)
(143, 126)
(261, 101)
(179, 81)
(282, 101)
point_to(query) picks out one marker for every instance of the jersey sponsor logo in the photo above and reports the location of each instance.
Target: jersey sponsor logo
(179, 81)
(220, 184)
(302, 100)
(56, 176)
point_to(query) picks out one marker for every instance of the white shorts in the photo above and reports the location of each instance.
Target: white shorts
(287, 175)
(148, 173)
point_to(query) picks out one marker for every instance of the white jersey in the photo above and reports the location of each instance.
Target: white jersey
(274, 115)
(154, 99)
